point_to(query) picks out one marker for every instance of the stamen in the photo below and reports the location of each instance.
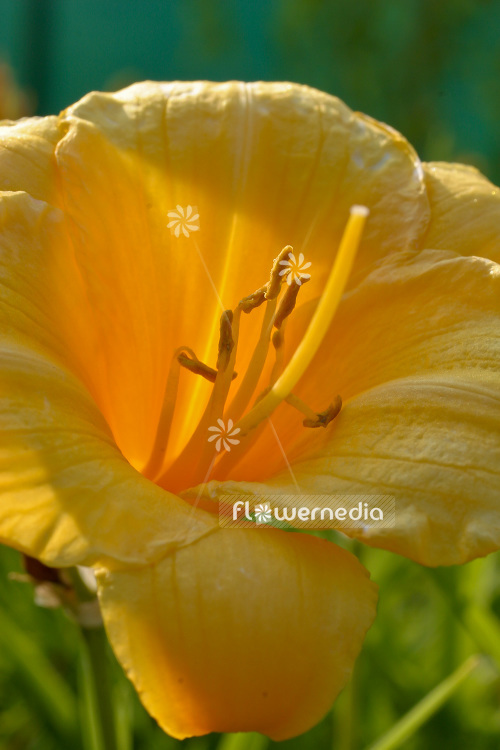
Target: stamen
(286, 307)
(249, 303)
(276, 280)
(324, 418)
(199, 368)
(287, 304)
(226, 342)
(224, 375)
(216, 404)
(198, 445)
(298, 404)
(155, 462)
(198, 449)
(271, 317)
(279, 348)
(251, 377)
(269, 292)
(318, 326)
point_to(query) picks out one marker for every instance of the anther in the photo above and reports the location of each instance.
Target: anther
(324, 418)
(226, 341)
(275, 281)
(197, 367)
(249, 303)
(287, 304)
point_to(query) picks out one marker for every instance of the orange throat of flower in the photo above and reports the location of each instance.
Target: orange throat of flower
(224, 424)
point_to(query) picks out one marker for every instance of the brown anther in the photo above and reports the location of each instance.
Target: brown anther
(198, 367)
(226, 342)
(249, 303)
(275, 281)
(325, 417)
(287, 304)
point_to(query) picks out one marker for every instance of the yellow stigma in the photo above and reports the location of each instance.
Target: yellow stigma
(318, 326)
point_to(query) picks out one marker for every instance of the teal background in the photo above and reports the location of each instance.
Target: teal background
(430, 69)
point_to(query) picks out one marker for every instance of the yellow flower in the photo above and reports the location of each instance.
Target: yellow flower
(109, 323)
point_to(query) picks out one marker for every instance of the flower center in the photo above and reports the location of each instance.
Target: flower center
(224, 425)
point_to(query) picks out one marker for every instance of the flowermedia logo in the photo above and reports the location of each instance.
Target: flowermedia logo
(183, 220)
(294, 269)
(263, 513)
(307, 511)
(224, 435)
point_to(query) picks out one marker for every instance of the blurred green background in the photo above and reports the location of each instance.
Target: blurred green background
(430, 69)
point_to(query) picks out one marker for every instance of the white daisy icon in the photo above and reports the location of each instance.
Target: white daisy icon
(184, 220)
(224, 435)
(295, 269)
(263, 513)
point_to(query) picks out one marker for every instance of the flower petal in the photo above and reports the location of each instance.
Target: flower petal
(432, 443)
(432, 313)
(414, 353)
(465, 210)
(27, 157)
(265, 164)
(244, 630)
(67, 494)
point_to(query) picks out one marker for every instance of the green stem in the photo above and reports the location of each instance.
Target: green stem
(98, 715)
(419, 714)
(344, 717)
(97, 689)
(90, 728)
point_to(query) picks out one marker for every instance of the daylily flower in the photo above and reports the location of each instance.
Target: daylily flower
(110, 326)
